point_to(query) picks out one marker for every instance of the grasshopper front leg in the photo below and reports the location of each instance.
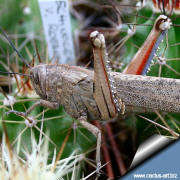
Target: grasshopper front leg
(30, 121)
(51, 105)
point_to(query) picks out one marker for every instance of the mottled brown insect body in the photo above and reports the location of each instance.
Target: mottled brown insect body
(71, 87)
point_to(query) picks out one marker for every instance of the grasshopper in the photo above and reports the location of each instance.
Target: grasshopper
(99, 94)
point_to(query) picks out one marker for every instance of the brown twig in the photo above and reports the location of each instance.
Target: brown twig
(120, 163)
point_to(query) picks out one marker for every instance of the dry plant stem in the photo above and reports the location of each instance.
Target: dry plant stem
(141, 61)
(120, 163)
(106, 154)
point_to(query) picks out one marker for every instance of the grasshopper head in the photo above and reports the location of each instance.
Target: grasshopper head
(38, 78)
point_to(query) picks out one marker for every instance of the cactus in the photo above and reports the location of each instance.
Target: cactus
(23, 25)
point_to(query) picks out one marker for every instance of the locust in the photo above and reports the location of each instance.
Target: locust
(100, 94)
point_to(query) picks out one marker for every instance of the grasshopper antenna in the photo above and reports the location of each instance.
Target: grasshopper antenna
(15, 73)
(12, 45)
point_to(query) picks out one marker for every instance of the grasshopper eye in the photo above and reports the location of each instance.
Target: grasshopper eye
(36, 79)
(31, 74)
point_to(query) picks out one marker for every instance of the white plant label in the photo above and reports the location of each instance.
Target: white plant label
(57, 28)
